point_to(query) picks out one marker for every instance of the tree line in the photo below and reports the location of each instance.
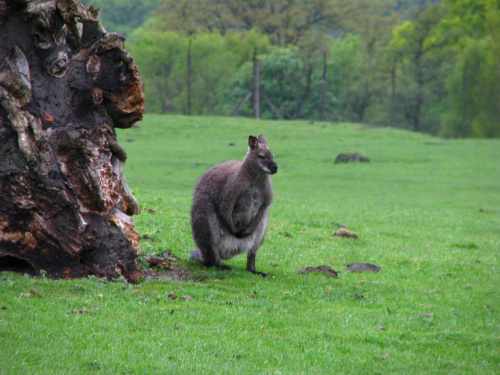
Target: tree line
(428, 66)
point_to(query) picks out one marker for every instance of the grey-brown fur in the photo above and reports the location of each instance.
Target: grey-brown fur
(347, 157)
(230, 205)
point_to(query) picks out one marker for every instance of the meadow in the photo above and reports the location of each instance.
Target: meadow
(427, 211)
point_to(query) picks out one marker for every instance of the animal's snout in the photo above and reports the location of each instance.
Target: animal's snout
(274, 168)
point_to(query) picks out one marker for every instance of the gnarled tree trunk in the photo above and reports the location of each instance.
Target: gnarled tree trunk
(65, 85)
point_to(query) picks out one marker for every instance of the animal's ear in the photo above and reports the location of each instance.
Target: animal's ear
(253, 142)
(262, 140)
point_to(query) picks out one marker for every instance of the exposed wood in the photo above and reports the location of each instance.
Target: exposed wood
(65, 85)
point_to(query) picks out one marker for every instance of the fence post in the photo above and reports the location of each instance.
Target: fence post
(256, 85)
(325, 84)
(189, 76)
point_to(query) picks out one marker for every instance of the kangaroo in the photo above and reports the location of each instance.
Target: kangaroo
(230, 207)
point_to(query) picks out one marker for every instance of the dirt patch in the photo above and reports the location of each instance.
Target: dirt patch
(160, 261)
(162, 266)
(342, 232)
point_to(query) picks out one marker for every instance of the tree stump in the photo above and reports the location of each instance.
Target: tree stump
(65, 85)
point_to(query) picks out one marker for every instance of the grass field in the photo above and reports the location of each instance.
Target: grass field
(427, 211)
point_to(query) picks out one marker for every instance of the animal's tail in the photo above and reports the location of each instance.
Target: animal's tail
(196, 255)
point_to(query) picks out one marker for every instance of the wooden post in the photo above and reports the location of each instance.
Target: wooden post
(256, 85)
(393, 94)
(325, 84)
(189, 76)
(464, 101)
(256, 93)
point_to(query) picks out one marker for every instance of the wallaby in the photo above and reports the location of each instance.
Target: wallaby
(230, 207)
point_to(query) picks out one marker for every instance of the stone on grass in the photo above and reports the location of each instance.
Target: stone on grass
(328, 271)
(362, 267)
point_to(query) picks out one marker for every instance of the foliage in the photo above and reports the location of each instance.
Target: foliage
(281, 80)
(123, 16)
(162, 60)
(426, 210)
(284, 79)
(286, 22)
(474, 85)
(353, 82)
(474, 96)
(424, 54)
(413, 65)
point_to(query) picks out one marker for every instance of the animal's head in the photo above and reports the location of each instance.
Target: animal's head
(261, 155)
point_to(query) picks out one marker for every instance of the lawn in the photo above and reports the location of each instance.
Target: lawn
(427, 211)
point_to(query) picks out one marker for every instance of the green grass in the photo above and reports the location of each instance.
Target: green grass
(427, 211)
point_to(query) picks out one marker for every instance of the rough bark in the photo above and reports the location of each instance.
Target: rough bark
(65, 85)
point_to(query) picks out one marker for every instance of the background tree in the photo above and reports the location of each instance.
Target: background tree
(281, 78)
(422, 46)
(162, 56)
(473, 103)
(425, 65)
(285, 21)
(373, 27)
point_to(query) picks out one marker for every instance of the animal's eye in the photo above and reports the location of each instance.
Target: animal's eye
(261, 156)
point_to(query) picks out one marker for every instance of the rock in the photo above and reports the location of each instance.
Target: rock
(362, 267)
(347, 157)
(328, 271)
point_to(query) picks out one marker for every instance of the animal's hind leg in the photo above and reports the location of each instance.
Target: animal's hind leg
(212, 259)
(251, 264)
(252, 253)
(206, 234)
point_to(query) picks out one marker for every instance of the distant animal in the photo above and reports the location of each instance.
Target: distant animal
(230, 207)
(346, 157)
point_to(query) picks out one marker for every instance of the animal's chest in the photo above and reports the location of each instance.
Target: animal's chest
(246, 208)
